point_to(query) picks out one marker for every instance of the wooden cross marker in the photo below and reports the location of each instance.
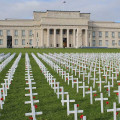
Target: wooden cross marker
(91, 96)
(114, 110)
(101, 99)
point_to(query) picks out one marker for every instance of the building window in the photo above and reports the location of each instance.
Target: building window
(51, 31)
(113, 34)
(1, 33)
(30, 41)
(37, 34)
(100, 34)
(93, 33)
(23, 32)
(30, 33)
(69, 45)
(57, 31)
(1, 42)
(93, 43)
(118, 34)
(8, 32)
(16, 41)
(113, 42)
(16, 33)
(119, 42)
(71, 31)
(64, 31)
(106, 42)
(100, 42)
(23, 41)
(106, 34)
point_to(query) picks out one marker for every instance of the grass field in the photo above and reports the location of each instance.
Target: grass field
(14, 107)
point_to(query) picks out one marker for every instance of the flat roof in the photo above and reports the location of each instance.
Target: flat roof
(56, 11)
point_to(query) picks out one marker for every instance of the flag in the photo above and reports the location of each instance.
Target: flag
(64, 1)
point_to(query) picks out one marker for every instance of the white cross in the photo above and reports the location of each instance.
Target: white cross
(108, 86)
(91, 97)
(83, 87)
(114, 110)
(101, 100)
(68, 103)
(94, 79)
(100, 83)
(118, 91)
(75, 111)
(1, 101)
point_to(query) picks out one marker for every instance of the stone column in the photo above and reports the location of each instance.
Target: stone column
(67, 37)
(61, 38)
(74, 39)
(79, 38)
(54, 37)
(48, 37)
(42, 37)
(86, 37)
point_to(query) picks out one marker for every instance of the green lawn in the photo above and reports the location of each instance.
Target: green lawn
(14, 107)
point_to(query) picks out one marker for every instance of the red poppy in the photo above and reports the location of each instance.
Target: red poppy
(66, 78)
(1, 98)
(60, 90)
(33, 97)
(1, 90)
(88, 88)
(107, 102)
(95, 95)
(118, 83)
(52, 80)
(116, 113)
(104, 77)
(27, 82)
(29, 90)
(35, 106)
(107, 89)
(81, 116)
(117, 74)
(31, 118)
(117, 93)
(77, 105)
(74, 80)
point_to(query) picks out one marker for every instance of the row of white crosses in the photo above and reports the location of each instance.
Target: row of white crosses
(77, 82)
(59, 90)
(6, 61)
(95, 70)
(29, 81)
(8, 80)
(66, 76)
(3, 57)
(105, 74)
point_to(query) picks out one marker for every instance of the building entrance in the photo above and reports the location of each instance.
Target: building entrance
(9, 41)
(64, 42)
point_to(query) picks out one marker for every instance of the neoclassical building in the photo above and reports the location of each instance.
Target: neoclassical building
(58, 29)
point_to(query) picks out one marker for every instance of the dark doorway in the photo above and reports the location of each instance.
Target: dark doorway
(64, 42)
(9, 41)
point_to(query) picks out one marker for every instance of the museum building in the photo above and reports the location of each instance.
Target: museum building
(58, 29)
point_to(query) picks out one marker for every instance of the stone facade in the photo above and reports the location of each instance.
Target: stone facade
(59, 29)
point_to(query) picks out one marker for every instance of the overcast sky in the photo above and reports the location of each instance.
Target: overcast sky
(101, 10)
